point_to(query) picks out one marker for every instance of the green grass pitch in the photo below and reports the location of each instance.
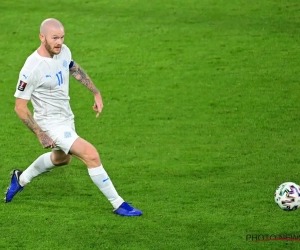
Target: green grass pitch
(200, 124)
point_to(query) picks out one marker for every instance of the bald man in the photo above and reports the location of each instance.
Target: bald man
(44, 80)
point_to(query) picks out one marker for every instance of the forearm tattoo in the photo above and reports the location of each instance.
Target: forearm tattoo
(81, 76)
(31, 124)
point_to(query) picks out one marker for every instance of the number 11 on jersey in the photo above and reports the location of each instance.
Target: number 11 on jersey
(59, 78)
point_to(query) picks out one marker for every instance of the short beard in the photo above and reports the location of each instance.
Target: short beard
(50, 51)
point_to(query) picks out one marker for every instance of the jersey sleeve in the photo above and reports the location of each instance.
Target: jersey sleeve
(25, 85)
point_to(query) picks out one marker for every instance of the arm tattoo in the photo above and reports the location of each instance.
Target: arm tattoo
(31, 124)
(79, 74)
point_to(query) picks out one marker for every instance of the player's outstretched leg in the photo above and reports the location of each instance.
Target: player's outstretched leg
(14, 186)
(88, 154)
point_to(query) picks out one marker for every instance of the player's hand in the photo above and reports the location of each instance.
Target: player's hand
(45, 140)
(98, 105)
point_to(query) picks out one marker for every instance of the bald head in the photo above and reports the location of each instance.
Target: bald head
(50, 24)
(52, 35)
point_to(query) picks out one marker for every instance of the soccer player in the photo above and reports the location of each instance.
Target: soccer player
(44, 80)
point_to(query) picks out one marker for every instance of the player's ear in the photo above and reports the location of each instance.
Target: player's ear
(42, 38)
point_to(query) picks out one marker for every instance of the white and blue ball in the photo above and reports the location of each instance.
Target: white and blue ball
(287, 196)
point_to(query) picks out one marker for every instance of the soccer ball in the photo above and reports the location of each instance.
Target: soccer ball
(287, 196)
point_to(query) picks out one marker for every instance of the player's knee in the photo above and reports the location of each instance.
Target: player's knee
(93, 156)
(62, 161)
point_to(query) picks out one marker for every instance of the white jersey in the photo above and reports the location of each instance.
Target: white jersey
(45, 81)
